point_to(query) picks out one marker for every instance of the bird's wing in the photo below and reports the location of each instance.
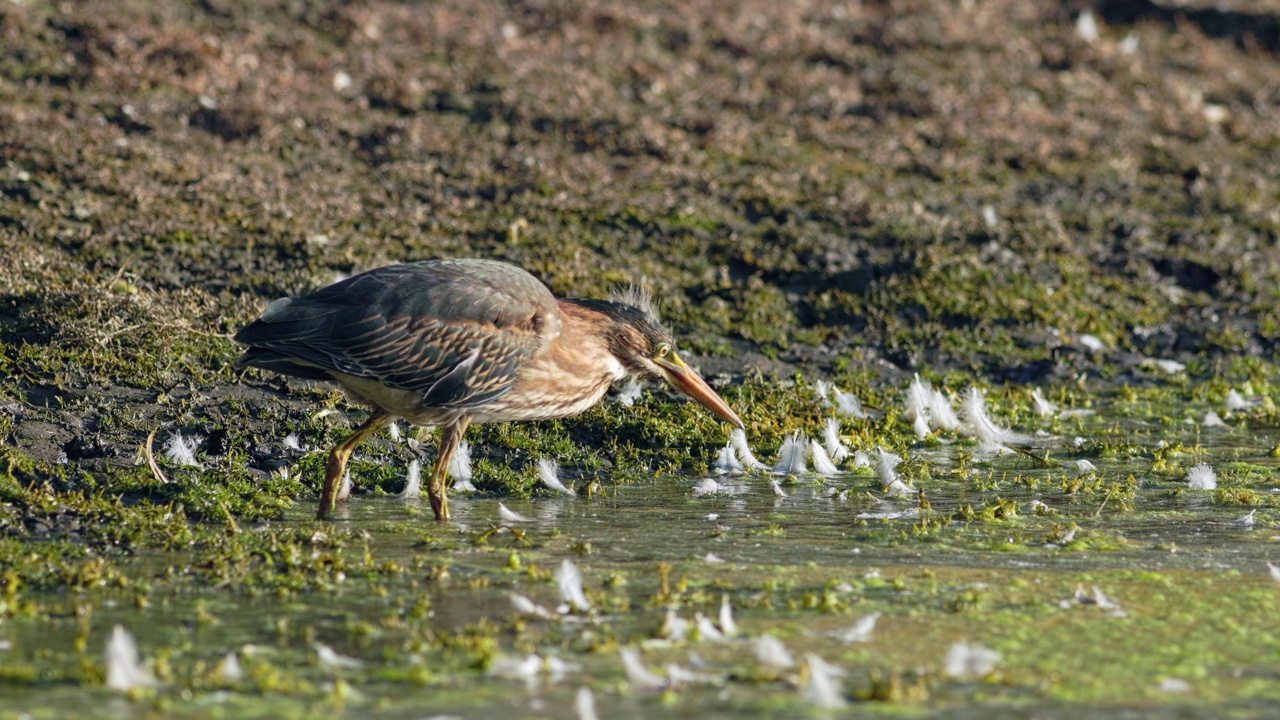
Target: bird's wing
(455, 331)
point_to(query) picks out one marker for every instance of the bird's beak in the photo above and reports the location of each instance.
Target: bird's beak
(684, 379)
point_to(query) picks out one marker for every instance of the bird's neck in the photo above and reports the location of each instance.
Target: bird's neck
(571, 373)
(582, 349)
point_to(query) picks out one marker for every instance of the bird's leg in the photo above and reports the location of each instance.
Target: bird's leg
(449, 440)
(339, 455)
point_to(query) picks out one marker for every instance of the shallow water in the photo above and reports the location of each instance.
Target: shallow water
(425, 614)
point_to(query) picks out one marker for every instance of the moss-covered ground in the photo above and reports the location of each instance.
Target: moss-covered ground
(982, 192)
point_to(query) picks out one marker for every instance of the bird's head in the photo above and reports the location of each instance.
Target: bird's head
(645, 349)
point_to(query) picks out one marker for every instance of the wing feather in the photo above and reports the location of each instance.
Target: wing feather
(456, 331)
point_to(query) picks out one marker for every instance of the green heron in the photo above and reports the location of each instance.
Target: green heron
(454, 342)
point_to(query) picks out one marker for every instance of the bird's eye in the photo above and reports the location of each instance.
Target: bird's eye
(663, 351)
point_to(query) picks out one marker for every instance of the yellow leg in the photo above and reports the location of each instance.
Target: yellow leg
(449, 440)
(338, 457)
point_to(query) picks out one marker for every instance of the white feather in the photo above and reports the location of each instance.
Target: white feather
(1273, 571)
(124, 672)
(569, 580)
(330, 659)
(834, 445)
(990, 437)
(1202, 477)
(705, 487)
(344, 489)
(848, 405)
(739, 439)
(920, 426)
(707, 630)
(970, 661)
(770, 652)
(585, 704)
(630, 393)
(860, 631)
(886, 466)
(941, 415)
(727, 460)
(1042, 407)
(791, 455)
(291, 442)
(229, 669)
(823, 686)
(181, 451)
(674, 627)
(822, 389)
(459, 468)
(1235, 401)
(549, 474)
(394, 430)
(777, 489)
(916, 403)
(727, 625)
(822, 464)
(637, 674)
(861, 460)
(413, 481)
(507, 515)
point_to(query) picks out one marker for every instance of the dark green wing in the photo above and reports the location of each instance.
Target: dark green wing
(456, 331)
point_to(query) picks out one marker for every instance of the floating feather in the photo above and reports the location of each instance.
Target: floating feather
(791, 455)
(990, 437)
(822, 464)
(584, 704)
(1202, 477)
(860, 460)
(860, 631)
(637, 674)
(916, 403)
(525, 606)
(1234, 401)
(822, 688)
(569, 580)
(124, 673)
(1042, 407)
(344, 488)
(674, 627)
(1273, 571)
(886, 466)
(507, 515)
(525, 669)
(727, 625)
(706, 486)
(707, 631)
(941, 415)
(745, 456)
(727, 460)
(229, 669)
(549, 474)
(181, 451)
(899, 489)
(1212, 419)
(920, 426)
(777, 489)
(970, 661)
(413, 481)
(770, 652)
(834, 445)
(330, 659)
